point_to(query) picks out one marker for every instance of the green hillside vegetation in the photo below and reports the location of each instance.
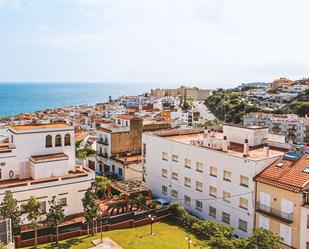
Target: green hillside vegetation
(229, 105)
(301, 105)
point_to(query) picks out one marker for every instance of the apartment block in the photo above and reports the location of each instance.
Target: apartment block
(119, 148)
(209, 173)
(294, 128)
(39, 160)
(282, 198)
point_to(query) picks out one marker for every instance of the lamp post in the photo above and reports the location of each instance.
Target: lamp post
(152, 218)
(100, 218)
(187, 238)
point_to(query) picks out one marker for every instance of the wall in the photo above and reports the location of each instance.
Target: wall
(276, 195)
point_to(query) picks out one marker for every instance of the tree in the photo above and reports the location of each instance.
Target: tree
(55, 214)
(99, 185)
(263, 239)
(33, 210)
(91, 208)
(10, 210)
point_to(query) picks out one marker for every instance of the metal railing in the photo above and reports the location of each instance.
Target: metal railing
(102, 141)
(275, 213)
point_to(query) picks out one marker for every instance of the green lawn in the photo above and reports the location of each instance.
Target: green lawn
(166, 235)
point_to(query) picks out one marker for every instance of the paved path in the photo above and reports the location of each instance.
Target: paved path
(203, 110)
(107, 243)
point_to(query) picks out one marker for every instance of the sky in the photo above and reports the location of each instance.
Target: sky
(197, 42)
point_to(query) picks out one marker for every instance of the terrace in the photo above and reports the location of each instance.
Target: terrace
(13, 183)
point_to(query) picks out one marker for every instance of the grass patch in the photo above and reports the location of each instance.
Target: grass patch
(166, 235)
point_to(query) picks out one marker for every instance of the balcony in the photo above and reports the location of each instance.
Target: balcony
(102, 155)
(306, 140)
(275, 213)
(291, 137)
(102, 141)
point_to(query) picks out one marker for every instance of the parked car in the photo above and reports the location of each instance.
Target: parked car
(161, 202)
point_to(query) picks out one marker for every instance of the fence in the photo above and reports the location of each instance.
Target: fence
(121, 221)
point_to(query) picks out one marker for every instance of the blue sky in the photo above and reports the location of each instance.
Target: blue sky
(200, 42)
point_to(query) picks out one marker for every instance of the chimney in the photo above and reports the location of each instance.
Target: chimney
(266, 150)
(246, 148)
(225, 144)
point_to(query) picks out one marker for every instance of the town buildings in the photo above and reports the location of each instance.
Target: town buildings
(294, 128)
(39, 161)
(282, 198)
(119, 148)
(193, 93)
(210, 173)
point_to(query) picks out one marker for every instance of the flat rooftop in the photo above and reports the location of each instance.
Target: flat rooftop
(191, 136)
(13, 183)
(38, 126)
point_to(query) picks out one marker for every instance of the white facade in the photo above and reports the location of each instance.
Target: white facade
(39, 161)
(304, 227)
(207, 182)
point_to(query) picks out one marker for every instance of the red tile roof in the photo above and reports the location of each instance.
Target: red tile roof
(290, 176)
(127, 117)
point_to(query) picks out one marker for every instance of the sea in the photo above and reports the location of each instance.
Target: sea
(18, 98)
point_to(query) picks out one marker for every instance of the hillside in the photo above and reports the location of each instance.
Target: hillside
(229, 106)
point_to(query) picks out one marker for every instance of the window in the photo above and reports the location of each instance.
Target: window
(174, 176)
(226, 196)
(188, 182)
(243, 203)
(307, 245)
(242, 225)
(212, 212)
(226, 218)
(199, 167)
(120, 171)
(164, 173)
(227, 175)
(43, 207)
(199, 186)
(188, 163)
(307, 221)
(48, 141)
(286, 234)
(213, 171)
(164, 190)
(198, 205)
(0, 173)
(175, 158)
(63, 201)
(174, 193)
(187, 200)
(67, 140)
(164, 156)
(113, 168)
(212, 191)
(58, 142)
(244, 181)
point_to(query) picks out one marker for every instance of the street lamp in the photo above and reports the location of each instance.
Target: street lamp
(100, 216)
(187, 238)
(152, 218)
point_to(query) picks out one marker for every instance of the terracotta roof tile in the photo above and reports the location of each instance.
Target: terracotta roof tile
(290, 176)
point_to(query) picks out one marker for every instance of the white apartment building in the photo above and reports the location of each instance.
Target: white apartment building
(112, 111)
(294, 128)
(39, 161)
(210, 174)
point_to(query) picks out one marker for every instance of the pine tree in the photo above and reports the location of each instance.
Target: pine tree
(10, 210)
(55, 215)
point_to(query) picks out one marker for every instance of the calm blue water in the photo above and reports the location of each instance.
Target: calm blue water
(18, 98)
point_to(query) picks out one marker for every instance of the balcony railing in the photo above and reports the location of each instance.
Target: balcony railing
(102, 141)
(275, 213)
(102, 155)
(291, 130)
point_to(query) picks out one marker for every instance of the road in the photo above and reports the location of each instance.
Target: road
(203, 110)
